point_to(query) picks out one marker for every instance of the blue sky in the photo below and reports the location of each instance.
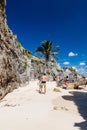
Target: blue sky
(62, 21)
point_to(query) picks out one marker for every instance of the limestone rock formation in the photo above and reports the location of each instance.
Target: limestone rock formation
(13, 59)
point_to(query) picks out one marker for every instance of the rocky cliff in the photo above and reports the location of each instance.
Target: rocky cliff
(13, 57)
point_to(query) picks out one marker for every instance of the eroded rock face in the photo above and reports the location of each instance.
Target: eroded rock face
(11, 56)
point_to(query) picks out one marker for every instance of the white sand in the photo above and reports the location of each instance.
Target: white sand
(26, 109)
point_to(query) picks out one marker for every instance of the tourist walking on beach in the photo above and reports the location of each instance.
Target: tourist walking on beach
(66, 81)
(43, 80)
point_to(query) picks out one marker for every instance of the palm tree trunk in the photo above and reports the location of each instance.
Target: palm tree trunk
(44, 67)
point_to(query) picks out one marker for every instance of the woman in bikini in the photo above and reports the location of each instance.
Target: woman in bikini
(66, 81)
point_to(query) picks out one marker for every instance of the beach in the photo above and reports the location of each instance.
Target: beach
(25, 108)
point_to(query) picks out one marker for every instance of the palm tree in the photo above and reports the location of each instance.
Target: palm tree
(48, 51)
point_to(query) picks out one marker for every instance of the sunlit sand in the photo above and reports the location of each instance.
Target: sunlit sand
(26, 109)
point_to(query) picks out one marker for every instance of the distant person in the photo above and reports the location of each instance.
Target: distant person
(66, 81)
(43, 80)
(57, 80)
(85, 81)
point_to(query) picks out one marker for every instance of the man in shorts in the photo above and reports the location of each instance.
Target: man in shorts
(43, 80)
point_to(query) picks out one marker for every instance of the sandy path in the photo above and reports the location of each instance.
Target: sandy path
(25, 109)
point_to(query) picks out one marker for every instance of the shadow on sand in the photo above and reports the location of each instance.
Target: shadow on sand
(80, 99)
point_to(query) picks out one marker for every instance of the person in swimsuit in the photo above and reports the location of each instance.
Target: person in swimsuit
(43, 80)
(66, 81)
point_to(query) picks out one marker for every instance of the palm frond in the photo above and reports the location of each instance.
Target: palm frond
(40, 49)
(55, 49)
(47, 49)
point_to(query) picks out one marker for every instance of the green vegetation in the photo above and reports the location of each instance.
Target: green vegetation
(27, 53)
(5, 28)
(47, 50)
(19, 44)
(19, 64)
(72, 70)
(26, 65)
(36, 62)
(1, 8)
(48, 72)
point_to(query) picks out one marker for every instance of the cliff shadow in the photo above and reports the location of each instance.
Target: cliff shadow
(80, 99)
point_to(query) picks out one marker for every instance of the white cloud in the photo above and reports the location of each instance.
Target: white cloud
(74, 68)
(82, 63)
(66, 63)
(72, 54)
